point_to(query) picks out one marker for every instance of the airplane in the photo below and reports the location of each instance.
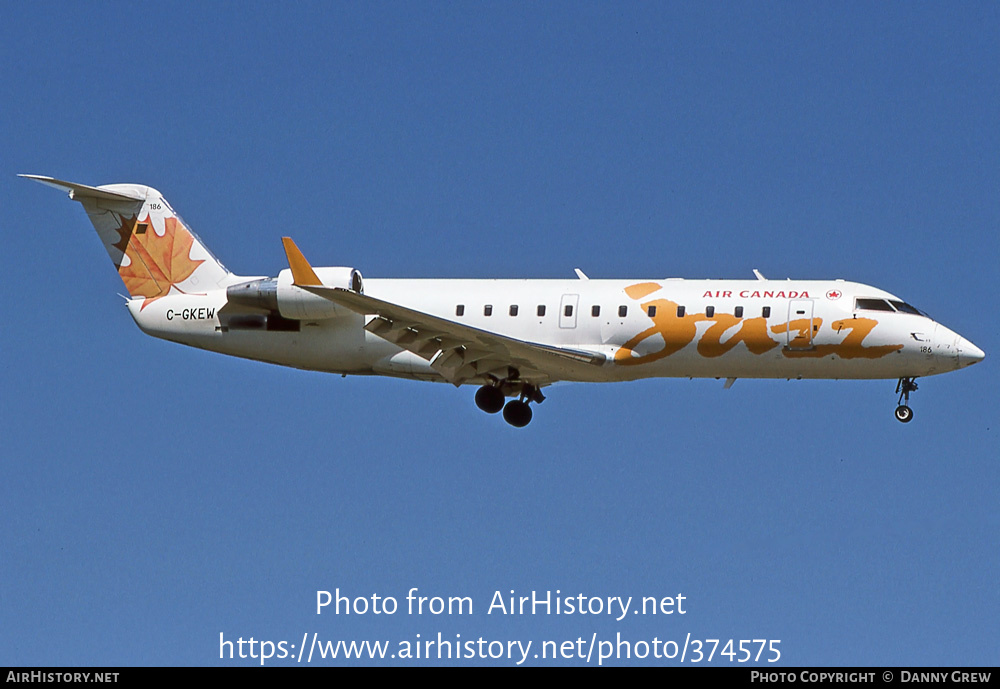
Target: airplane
(512, 338)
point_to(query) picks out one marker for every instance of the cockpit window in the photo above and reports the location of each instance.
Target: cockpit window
(887, 305)
(905, 308)
(872, 305)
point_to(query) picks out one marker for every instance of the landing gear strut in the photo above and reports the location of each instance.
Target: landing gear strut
(904, 388)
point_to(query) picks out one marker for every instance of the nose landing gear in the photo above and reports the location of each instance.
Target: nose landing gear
(904, 387)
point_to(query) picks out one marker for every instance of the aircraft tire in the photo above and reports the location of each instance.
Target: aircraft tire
(517, 413)
(904, 413)
(489, 399)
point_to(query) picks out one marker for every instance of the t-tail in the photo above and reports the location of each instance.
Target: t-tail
(153, 250)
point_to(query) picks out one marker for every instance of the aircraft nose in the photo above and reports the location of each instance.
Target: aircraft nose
(968, 353)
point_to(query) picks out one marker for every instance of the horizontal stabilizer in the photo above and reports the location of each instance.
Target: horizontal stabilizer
(82, 191)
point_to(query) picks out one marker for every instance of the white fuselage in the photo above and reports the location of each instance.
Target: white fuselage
(667, 328)
(510, 337)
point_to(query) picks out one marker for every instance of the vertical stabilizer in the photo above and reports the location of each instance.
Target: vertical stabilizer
(152, 248)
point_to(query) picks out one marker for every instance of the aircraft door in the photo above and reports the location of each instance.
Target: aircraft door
(567, 310)
(801, 325)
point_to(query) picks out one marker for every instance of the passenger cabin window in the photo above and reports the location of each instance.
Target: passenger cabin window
(568, 311)
(872, 305)
(460, 310)
(541, 310)
(651, 311)
(709, 311)
(622, 311)
(488, 310)
(513, 309)
(595, 310)
(738, 312)
(680, 312)
(766, 312)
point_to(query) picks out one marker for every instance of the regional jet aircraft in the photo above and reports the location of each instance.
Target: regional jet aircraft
(512, 338)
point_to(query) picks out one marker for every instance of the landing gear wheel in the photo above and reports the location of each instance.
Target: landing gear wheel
(517, 413)
(904, 413)
(490, 399)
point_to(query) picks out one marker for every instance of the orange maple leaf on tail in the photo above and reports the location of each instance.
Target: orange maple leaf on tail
(156, 263)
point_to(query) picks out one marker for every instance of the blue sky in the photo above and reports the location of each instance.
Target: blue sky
(155, 496)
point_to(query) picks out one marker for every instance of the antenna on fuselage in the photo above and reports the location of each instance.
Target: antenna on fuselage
(759, 276)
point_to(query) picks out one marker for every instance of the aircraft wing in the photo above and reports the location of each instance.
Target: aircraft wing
(459, 352)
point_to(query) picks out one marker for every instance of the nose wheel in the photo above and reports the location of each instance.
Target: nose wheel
(904, 387)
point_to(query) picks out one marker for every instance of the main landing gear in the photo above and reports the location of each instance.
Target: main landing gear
(517, 413)
(490, 398)
(904, 388)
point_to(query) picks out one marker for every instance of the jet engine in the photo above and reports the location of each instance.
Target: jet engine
(279, 294)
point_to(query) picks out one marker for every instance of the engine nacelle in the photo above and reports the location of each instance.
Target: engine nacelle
(297, 303)
(279, 294)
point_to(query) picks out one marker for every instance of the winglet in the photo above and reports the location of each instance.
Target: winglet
(302, 272)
